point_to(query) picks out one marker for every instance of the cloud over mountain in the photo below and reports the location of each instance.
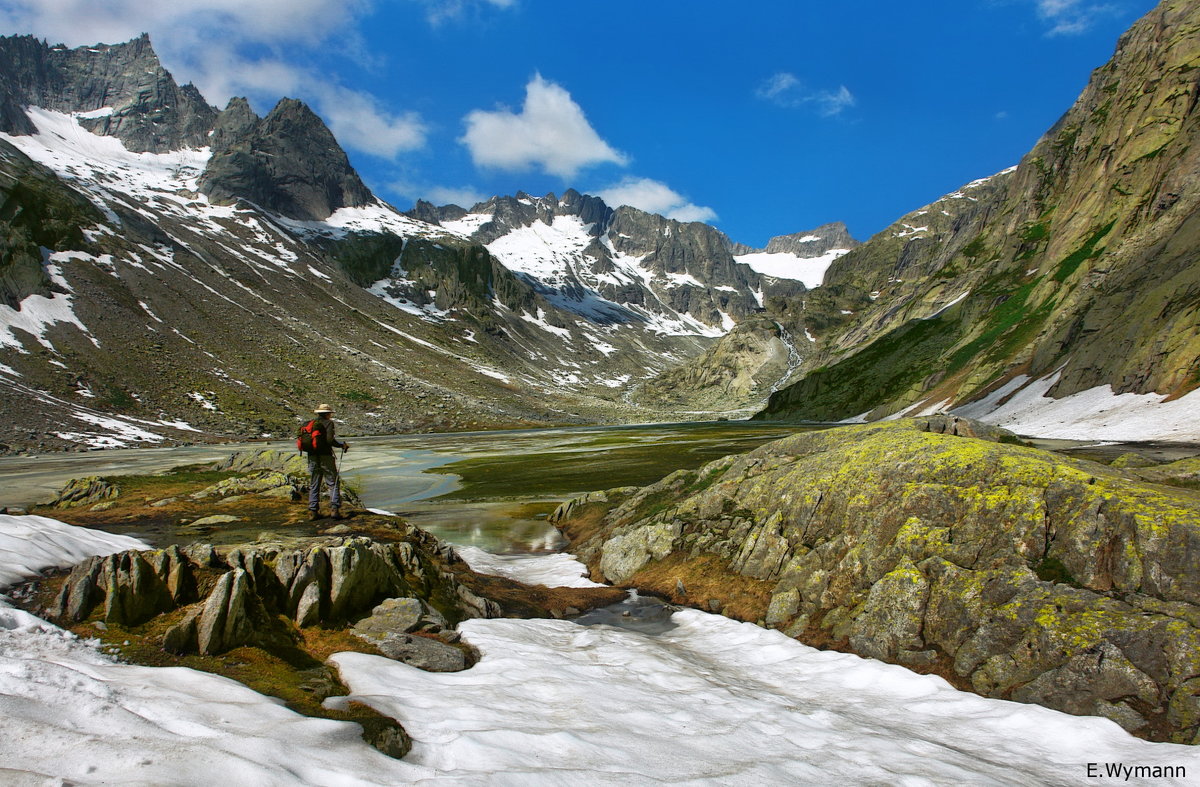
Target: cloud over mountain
(550, 133)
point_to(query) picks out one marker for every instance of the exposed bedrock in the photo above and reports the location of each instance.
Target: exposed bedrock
(940, 544)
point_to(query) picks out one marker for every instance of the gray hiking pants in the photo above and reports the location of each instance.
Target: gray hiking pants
(323, 468)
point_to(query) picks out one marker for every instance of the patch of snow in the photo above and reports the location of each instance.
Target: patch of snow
(469, 224)
(29, 544)
(36, 314)
(376, 217)
(202, 400)
(682, 279)
(540, 321)
(493, 373)
(1094, 414)
(947, 306)
(917, 410)
(544, 251)
(810, 271)
(8, 371)
(908, 231)
(614, 382)
(318, 273)
(558, 570)
(604, 347)
(94, 114)
(715, 701)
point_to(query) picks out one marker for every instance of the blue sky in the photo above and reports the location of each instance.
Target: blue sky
(764, 118)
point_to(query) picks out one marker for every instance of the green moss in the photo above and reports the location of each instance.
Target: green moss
(359, 396)
(1088, 250)
(1035, 232)
(975, 249)
(1051, 569)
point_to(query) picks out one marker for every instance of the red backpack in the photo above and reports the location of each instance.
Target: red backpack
(312, 438)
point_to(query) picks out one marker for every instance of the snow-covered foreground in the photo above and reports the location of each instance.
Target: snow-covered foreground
(551, 702)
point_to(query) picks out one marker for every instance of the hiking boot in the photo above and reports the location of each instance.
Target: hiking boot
(337, 515)
(313, 515)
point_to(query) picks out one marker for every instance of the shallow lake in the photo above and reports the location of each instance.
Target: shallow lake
(491, 490)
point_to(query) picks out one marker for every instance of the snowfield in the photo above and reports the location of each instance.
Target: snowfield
(809, 271)
(710, 701)
(1022, 406)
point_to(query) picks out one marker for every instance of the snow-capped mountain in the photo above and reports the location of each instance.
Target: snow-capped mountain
(615, 265)
(174, 272)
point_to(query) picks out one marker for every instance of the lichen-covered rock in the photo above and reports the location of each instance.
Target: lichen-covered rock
(88, 491)
(402, 616)
(1026, 574)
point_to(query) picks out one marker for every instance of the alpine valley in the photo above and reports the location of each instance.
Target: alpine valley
(176, 273)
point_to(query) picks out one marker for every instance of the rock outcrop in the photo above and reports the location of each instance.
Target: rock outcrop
(942, 545)
(87, 491)
(235, 597)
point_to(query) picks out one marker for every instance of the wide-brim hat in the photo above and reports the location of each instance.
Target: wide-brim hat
(323, 408)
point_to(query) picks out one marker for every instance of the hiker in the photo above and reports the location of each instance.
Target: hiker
(318, 438)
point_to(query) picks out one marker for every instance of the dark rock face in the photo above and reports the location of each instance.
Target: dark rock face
(150, 112)
(936, 541)
(287, 162)
(36, 213)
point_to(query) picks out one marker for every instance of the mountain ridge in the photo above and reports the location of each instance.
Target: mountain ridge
(1073, 268)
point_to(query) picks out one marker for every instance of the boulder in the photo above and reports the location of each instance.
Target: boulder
(421, 652)
(88, 491)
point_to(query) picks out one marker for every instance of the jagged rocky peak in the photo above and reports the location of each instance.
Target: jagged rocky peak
(122, 87)
(287, 162)
(810, 243)
(813, 243)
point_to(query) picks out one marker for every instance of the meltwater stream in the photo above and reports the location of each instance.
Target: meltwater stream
(658, 695)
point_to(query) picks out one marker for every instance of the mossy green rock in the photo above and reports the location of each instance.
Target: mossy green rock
(912, 538)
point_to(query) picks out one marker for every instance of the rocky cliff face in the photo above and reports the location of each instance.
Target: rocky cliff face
(288, 163)
(734, 376)
(1074, 263)
(121, 91)
(811, 243)
(942, 545)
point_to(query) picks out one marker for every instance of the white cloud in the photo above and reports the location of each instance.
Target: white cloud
(786, 90)
(653, 196)
(439, 11)
(550, 132)
(358, 121)
(206, 42)
(463, 196)
(1073, 17)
